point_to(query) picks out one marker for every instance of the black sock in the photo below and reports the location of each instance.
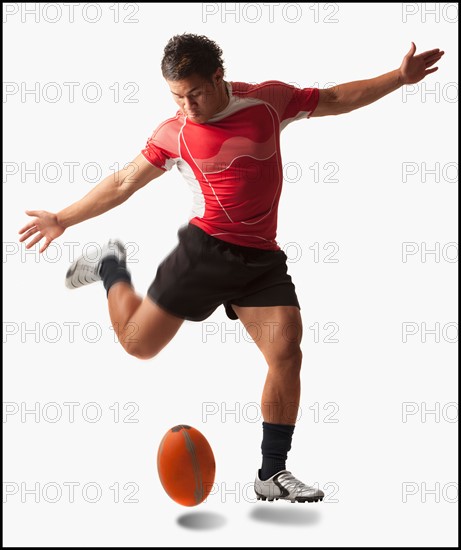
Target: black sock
(112, 271)
(275, 446)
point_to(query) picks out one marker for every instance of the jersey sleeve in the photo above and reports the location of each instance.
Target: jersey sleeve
(290, 102)
(302, 104)
(159, 149)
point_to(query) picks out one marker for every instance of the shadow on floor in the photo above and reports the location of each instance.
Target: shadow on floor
(293, 515)
(201, 520)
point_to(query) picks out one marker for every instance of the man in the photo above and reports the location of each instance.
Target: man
(224, 139)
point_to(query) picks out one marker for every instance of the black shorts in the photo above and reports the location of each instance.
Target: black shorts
(203, 272)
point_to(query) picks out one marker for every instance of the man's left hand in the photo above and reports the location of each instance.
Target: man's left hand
(415, 67)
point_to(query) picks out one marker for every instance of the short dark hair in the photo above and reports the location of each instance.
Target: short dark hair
(187, 54)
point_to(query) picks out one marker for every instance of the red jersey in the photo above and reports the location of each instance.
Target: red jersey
(232, 162)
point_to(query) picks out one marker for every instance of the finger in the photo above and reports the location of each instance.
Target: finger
(45, 246)
(429, 71)
(33, 212)
(431, 63)
(35, 241)
(429, 57)
(430, 52)
(30, 225)
(423, 55)
(28, 234)
(412, 50)
(434, 56)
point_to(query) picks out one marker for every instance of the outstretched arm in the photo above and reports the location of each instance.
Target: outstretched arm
(109, 193)
(353, 95)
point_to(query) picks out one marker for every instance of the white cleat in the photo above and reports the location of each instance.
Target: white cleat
(85, 271)
(284, 486)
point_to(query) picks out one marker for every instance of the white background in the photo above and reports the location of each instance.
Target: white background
(376, 469)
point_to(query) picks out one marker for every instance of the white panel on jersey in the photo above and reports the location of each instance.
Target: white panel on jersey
(236, 103)
(198, 200)
(299, 116)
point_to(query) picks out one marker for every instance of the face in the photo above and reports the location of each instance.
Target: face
(199, 98)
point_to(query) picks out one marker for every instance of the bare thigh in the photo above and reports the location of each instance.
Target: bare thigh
(276, 330)
(149, 330)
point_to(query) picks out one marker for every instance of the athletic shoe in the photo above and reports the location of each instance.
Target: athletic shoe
(285, 486)
(85, 271)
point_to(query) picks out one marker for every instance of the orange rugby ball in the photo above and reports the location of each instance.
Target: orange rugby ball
(186, 465)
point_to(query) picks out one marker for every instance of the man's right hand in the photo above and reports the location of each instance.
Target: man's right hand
(44, 225)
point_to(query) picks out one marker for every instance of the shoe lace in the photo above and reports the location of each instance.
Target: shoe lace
(291, 482)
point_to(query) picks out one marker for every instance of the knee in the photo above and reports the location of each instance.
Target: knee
(139, 350)
(288, 357)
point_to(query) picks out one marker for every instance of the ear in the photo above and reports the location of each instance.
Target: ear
(218, 75)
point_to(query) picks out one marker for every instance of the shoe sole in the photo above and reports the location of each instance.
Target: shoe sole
(69, 275)
(297, 499)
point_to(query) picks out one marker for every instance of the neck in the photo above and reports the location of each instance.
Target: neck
(225, 98)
